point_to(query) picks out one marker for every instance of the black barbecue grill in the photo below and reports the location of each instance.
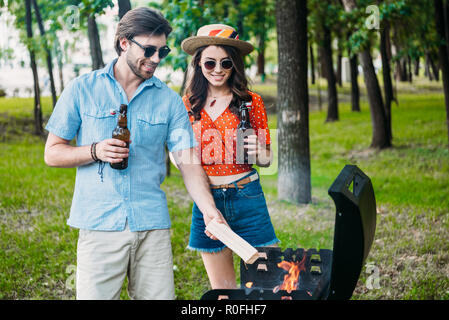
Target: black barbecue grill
(325, 274)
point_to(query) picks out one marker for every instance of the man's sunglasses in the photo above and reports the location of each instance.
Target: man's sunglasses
(150, 50)
(225, 64)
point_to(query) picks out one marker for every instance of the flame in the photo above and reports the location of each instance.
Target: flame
(249, 284)
(291, 279)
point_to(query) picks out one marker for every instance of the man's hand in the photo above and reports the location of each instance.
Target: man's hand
(112, 150)
(59, 152)
(209, 216)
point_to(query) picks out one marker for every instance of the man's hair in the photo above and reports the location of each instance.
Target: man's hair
(141, 21)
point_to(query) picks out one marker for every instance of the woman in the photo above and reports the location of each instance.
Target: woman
(217, 87)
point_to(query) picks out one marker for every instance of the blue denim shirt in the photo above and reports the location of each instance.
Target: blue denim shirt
(156, 116)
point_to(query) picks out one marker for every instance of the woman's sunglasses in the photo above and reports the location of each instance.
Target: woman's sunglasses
(225, 64)
(150, 50)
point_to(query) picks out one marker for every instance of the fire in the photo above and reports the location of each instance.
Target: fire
(291, 279)
(249, 284)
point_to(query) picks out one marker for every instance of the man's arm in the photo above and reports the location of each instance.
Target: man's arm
(59, 152)
(197, 184)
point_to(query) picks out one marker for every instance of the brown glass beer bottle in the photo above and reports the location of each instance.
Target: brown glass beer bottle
(244, 129)
(121, 132)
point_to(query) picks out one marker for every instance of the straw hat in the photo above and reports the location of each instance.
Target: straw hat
(216, 34)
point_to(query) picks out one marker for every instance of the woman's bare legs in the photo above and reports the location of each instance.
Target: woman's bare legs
(220, 269)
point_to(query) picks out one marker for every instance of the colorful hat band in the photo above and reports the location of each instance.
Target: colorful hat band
(224, 33)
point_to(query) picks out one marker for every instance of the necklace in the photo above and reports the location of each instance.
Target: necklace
(215, 100)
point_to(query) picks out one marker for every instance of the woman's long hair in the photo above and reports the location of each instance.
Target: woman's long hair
(197, 84)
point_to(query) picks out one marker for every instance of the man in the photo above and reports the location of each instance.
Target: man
(122, 214)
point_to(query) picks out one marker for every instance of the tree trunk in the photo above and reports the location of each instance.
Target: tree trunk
(37, 98)
(434, 68)
(240, 16)
(409, 69)
(355, 91)
(417, 65)
(262, 37)
(94, 43)
(401, 70)
(442, 49)
(428, 71)
(380, 137)
(59, 54)
(312, 63)
(123, 7)
(261, 57)
(184, 82)
(332, 95)
(386, 72)
(47, 51)
(294, 178)
(446, 19)
(339, 68)
(322, 63)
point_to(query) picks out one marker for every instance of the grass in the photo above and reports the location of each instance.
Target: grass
(411, 248)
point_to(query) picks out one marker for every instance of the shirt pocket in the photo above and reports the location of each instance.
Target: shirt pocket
(98, 125)
(152, 130)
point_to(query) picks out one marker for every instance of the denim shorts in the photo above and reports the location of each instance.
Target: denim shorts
(246, 212)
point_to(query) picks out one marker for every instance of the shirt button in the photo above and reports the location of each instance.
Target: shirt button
(126, 198)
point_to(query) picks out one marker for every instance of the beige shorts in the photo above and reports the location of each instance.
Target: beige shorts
(104, 258)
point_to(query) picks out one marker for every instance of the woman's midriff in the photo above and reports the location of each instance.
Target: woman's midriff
(216, 180)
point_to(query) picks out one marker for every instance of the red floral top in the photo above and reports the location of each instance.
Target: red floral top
(216, 147)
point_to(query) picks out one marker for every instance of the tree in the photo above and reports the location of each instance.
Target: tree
(355, 91)
(123, 7)
(332, 95)
(386, 72)
(37, 98)
(385, 52)
(446, 19)
(47, 51)
(444, 60)
(324, 19)
(259, 20)
(89, 9)
(294, 182)
(94, 43)
(380, 137)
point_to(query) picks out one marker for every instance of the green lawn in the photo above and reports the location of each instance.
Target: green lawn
(411, 183)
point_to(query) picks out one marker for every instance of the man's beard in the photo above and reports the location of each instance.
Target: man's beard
(135, 69)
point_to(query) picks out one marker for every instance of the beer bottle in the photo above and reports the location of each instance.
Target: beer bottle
(121, 132)
(244, 129)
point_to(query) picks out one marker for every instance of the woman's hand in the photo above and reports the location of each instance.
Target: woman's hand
(262, 152)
